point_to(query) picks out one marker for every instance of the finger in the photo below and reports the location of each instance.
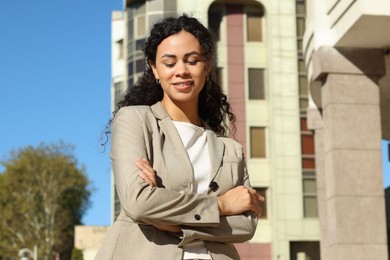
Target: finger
(146, 178)
(142, 166)
(147, 165)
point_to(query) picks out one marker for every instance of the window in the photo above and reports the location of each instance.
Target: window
(300, 26)
(256, 84)
(215, 18)
(139, 44)
(130, 68)
(118, 89)
(257, 142)
(304, 250)
(263, 192)
(300, 8)
(119, 47)
(254, 27)
(309, 185)
(130, 29)
(141, 26)
(139, 65)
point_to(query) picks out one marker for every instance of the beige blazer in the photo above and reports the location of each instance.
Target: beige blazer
(148, 132)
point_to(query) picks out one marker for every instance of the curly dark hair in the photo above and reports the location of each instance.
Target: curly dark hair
(214, 108)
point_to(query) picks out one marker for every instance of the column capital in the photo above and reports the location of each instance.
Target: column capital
(344, 61)
(369, 62)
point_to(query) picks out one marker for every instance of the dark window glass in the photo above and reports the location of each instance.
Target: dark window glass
(215, 18)
(304, 250)
(257, 142)
(254, 27)
(139, 65)
(130, 68)
(256, 83)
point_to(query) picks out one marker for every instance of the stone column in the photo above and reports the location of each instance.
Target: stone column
(353, 215)
(315, 123)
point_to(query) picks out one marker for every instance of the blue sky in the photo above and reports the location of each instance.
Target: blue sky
(55, 84)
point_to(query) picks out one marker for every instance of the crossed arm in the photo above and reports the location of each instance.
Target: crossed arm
(235, 201)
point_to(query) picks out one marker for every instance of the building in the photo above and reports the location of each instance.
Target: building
(88, 239)
(347, 56)
(262, 70)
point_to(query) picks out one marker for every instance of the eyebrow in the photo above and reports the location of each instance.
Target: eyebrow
(186, 55)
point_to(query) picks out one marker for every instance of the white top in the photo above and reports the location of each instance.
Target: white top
(194, 139)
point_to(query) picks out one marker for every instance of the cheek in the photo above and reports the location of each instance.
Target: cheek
(165, 74)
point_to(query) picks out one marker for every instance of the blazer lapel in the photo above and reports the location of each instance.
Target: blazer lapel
(216, 150)
(169, 130)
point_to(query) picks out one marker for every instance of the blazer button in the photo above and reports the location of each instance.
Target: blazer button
(197, 217)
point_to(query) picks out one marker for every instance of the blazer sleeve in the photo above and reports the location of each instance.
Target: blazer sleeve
(232, 229)
(142, 203)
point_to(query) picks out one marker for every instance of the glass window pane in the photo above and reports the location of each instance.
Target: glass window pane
(303, 103)
(301, 8)
(309, 186)
(141, 26)
(301, 66)
(257, 142)
(256, 83)
(118, 89)
(215, 19)
(302, 80)
(139, 44)
(307, 144)
(310, 206)
(308, 163)
(254, 27)
(300, 44)
(130, 29)
(139, 66)
(303, 124)
(130, 68)
(300, 26)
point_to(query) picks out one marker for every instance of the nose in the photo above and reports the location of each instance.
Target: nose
(181, 69)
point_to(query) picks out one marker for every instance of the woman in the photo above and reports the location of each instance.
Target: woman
(182, 183)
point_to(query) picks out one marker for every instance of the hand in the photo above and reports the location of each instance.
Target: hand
(239, 200)
(146, 172)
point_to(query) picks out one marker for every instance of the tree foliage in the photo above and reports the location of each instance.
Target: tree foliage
(77, 254)
(43, 195)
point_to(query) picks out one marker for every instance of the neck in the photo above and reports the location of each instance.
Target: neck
(183, 112)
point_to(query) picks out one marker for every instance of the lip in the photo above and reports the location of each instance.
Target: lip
(183, 84)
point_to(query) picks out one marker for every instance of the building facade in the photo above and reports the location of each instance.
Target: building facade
(347, 55)
(262, 70)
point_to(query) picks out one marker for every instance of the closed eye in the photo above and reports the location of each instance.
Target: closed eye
(169, 65)
(192, 62)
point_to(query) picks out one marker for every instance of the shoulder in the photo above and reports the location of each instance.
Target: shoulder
(134, 114)
(232, 147)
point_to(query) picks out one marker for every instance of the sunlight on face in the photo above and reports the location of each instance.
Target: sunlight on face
(180, 67)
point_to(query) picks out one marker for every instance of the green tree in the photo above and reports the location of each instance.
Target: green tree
(77, 254)
(43, 195)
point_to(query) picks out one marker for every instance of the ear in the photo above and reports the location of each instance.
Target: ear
(154, 69)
